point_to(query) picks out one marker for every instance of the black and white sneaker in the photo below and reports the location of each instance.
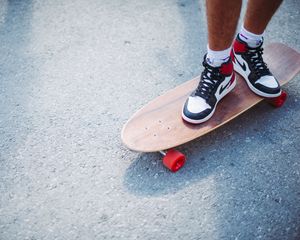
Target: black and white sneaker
(215, 83)
(249, 63)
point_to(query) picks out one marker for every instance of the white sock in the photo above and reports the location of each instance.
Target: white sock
(253, 40)
(217, 58)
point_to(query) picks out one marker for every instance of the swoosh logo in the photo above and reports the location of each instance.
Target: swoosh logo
(243, 66)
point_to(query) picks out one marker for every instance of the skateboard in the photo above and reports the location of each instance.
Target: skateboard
(159, 127)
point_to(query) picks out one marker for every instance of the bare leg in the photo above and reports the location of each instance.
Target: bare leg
(217, 78)
(259, 13)
(248, 51)
(222, 19)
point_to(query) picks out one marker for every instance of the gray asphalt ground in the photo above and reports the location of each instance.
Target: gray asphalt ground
(72, 72)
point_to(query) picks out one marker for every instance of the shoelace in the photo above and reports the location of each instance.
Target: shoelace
(208, 80)
(257, 61)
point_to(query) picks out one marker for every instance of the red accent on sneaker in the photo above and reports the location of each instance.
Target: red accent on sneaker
(232, 55)
(232, 79)
(239, 47)
(227, 68)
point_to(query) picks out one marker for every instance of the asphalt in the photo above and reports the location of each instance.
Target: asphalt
(72, 72)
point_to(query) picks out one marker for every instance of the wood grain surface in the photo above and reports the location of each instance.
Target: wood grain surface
(159, 126)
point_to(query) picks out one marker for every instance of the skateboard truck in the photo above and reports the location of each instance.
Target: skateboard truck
(173, 159)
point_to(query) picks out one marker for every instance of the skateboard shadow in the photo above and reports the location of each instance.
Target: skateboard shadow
(147, 176)
(216, 155)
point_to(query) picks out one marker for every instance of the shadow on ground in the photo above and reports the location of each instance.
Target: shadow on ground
(147, 175)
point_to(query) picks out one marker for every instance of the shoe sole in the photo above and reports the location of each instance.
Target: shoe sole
(240, 71)
(193, 121)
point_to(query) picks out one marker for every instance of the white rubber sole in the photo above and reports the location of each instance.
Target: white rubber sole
(193, 121)
(240, 71)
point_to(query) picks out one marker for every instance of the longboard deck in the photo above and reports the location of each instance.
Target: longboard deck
(159, 126)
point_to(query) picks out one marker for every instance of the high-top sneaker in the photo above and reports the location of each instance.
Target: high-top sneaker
(249, 63)
(215, 83)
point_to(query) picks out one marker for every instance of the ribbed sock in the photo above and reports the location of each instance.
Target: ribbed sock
(253, 40)
(217, 58)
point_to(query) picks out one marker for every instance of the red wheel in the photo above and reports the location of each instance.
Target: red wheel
(279, 101)
(174, 160)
